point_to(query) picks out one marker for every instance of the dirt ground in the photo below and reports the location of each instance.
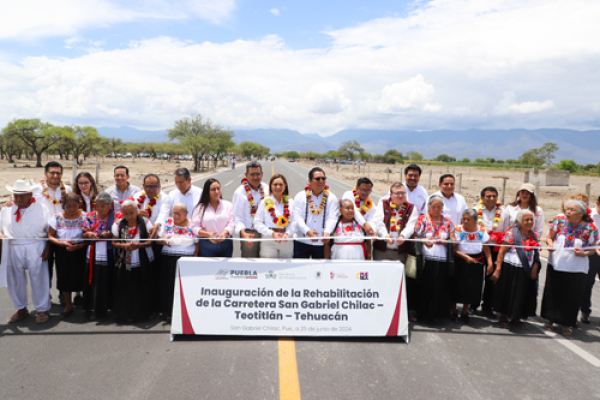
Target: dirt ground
(137, 169)
(473, 180)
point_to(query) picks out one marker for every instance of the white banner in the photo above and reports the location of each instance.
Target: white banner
(270, 297)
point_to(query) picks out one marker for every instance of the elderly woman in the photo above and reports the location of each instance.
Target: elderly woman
(433, 278)
(133, 284)
(66, 233)
(394, 221)
(473, 258)
(213, 218)
(517, 268)
(348, 241)
(567, 269)
(525, 200)
(100, 260)
(274, 219)
(179, 241)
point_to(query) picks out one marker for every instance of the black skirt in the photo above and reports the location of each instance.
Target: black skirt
(433, 293)
(468, 281)
(169, 271)
(70, 267)
(563, 294)
(98, 292)
(132, 293)
(515, 294)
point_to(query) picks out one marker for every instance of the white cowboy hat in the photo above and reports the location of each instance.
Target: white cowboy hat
(21, 187)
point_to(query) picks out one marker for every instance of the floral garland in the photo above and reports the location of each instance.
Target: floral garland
(82, 203)
(396, 222)
(366, 207)
(345, 230)
(151, 203)
(63, 192)
(284, 219)
(311, 203)
(496, 221)
(253, 206)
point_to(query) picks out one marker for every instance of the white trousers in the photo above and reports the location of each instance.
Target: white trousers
(272, 249)
(28, 257)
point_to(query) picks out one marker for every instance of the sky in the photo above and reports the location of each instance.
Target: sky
(311, 66)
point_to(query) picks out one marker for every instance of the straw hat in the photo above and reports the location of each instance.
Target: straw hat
(21, 187)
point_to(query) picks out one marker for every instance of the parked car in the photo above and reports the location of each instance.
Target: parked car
(291, 160)
(127, 155)
(343, 162)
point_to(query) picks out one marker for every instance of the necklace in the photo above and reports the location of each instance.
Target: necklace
(311, 203)
(46, 193)
(253, 206)
(496, 221)
(82, 205)
(151, 203)
(366, 207)
(395, 223)
(283, 220)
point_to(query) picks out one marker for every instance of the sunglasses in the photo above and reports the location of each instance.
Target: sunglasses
(320, 178)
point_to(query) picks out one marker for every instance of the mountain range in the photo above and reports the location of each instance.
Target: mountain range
(581, 146)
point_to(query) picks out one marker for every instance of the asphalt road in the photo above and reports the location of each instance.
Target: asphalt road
(104, 360)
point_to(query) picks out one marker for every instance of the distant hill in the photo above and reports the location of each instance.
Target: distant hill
(581, 146)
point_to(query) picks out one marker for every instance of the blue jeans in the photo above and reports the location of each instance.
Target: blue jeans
(221, 249)
(303, 250)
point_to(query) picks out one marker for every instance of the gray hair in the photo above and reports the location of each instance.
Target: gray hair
(341, 205)
(581, 206)
(183, 173)
(104, 197)
(129, 203)
(522, 213)
(180, 205)
(471, 212)
(253, 164)
(435, 197)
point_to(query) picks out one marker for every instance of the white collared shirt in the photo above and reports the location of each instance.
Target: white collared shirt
(54, 194)
(417, 197)
(509, 219)
(119, 196)
(241, 206)
(263, 221)
(191, 198)
(382, 231)
(453, 207)
(306, 221)
(162, 209)
(487, 219)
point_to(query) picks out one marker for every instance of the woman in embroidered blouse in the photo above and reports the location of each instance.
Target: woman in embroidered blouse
(516, 274)
(274, 219)
(66, 233)
(348, 237)
(567, 270)
(85, 188)
(473, 258)
(100, 260)
(133, 285)
(179, 241)
(434, 290)
(213, 218)
(525, 200)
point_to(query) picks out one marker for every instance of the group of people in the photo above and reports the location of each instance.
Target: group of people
(484, 256)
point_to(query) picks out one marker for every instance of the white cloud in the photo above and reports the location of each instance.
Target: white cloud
(39, 18)
(451, 64)
(274, 11)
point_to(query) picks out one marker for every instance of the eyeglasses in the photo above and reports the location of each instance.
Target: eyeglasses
(398, 193)
(54, 173)
(365, 191)
(320, 178)
(84, 183)
(151, 187)
(255, 174)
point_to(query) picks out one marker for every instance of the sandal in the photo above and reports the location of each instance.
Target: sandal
(548, 325)
(42, 317)
(18, 315)
(567, 330)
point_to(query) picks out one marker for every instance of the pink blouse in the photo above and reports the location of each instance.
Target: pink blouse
(218, 220)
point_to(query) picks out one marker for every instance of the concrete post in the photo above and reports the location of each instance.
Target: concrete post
(430, 176)
(459, 187)
(588, 192)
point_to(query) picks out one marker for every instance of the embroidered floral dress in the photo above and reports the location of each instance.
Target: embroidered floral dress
(94, 224)
(471, 242)
(182, 239)
(572, 236)
(348, 243)
(511, 256)
(68, 229)
(426, 228)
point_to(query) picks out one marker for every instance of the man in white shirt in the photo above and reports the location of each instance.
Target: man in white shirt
(122, 189)
(454, 203)
(363, 206)
(26, 220)
(415, 193)
(315, 215)
(50, 195)
(246, 199)
(185, 192)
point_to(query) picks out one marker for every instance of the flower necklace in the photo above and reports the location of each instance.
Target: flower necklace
(253, 206)
(82, 205)
(396, 222)
(151, 203)
(368, 203)
(345, 230)
(283, 220)
(496, 220)
(311, 203)
(46, 193)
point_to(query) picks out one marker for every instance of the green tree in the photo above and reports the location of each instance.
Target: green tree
(37, 136)
(10, 145)
(466, 160)
(539, 157)
(414, 156)
(568, 165)
(349, 149)
(445, 158)
(195, 134)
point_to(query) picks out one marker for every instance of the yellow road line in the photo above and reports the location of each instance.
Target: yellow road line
(289, 383)
(272, 168)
